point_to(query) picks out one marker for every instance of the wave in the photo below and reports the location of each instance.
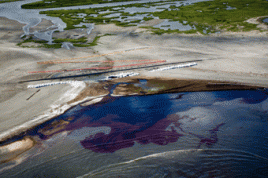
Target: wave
(186, 163)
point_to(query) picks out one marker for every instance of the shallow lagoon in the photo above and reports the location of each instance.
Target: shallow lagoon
(201, 134)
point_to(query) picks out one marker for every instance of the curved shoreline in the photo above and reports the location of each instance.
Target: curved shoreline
(79, 94)
(54, 111)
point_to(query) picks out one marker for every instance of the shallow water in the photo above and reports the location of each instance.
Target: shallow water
(198, 134)
(174, 26)
(30, 17)
(142, 83)
(230, 8)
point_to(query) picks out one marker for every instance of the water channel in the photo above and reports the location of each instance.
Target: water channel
(189, 134)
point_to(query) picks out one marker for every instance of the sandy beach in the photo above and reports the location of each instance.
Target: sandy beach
(230, 57)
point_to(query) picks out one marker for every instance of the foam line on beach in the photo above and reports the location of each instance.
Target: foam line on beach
(52, 83)
(175, 67)
(121, 75)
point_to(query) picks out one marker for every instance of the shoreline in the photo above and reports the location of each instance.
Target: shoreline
(55, 110)
(80, 96)
(237, 58)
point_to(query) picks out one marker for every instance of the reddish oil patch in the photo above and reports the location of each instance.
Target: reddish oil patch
(124, 135)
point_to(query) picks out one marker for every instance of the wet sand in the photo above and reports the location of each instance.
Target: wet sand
(176, 85)
(11, 151)
(232, 58)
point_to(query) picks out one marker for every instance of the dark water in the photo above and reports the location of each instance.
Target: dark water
(198, 134)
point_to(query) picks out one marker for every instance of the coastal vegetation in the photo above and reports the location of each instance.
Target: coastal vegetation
(94, 15)
(162, 31)
(65, 3)
(8, 1)
(206, 17)
(218, 15)
(57, 43)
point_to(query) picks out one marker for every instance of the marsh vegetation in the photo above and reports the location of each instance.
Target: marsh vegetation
(206, 17)
(203, 17)
(217, 15)
(57, 43)
(104, 15)
(65, 3)
(3, 1)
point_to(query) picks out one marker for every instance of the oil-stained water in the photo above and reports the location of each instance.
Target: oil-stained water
(191, 134)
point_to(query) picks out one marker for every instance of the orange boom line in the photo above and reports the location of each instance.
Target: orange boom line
(48, 62)
(97, 68)
(59, 62)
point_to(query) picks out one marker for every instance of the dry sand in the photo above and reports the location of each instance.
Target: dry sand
(240, 58)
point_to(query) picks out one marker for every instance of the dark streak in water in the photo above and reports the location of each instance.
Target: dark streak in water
(212, 139)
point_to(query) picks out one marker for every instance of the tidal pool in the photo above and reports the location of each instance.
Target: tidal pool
(174, 26)
(230, 8)
(189, 134)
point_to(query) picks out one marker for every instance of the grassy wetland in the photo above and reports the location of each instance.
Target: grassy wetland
(202, 17)
(64, 3)
(4, 1)
(217, 15)
(206, 17)
(97, 16)
(57, 43)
